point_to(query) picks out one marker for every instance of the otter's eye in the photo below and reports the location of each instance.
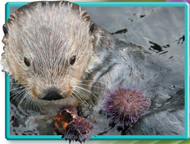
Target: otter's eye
(91, 26)
(72, 60)
(26, 61)
(5, 29)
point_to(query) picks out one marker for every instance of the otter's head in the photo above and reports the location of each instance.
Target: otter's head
(48, 46)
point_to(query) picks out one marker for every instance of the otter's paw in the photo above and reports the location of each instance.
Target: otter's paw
(71, 126)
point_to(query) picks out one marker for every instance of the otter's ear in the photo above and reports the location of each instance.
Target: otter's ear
(92, 27)
(5, 29)
(4, 59)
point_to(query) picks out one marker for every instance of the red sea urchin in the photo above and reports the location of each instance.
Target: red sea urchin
(125, 105)
(71, 126)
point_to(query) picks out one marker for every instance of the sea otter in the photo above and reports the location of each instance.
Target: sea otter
(61, 57)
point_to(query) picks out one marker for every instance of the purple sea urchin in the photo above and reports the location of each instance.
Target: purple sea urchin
(125, 105)
(71, 126)
(78, 130)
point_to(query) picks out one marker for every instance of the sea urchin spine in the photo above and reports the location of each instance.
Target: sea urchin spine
(125, 105)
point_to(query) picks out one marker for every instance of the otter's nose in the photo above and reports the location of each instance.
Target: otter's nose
(52, 95)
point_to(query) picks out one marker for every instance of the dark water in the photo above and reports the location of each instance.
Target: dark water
(160, 31)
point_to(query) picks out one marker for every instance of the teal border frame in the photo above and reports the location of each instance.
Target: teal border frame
(109, 137)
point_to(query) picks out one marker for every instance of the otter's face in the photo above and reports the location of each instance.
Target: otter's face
(47, 48)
